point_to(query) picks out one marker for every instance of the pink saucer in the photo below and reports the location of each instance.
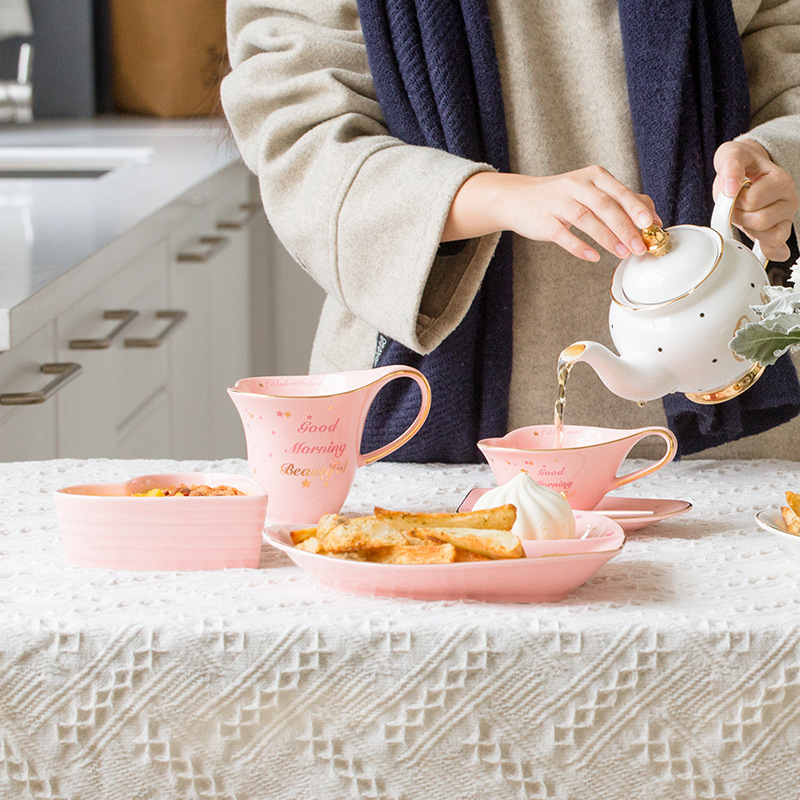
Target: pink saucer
(632, 513)
(551, 570)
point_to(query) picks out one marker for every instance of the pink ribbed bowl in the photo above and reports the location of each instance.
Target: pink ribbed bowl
(103, 526)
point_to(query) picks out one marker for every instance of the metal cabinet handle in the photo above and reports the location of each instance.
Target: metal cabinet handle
(240, 218)
(65, 372)
(207, 247)
(175, 318)
(124, 315)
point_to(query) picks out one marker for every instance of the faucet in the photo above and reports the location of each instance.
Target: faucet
(16, 97)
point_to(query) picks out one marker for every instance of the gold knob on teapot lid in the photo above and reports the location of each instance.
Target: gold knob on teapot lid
(657, 240)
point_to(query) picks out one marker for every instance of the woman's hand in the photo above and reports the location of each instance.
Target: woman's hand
(765, 210)
(545, 209)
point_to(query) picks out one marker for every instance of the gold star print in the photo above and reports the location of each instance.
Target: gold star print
(287, 413)
(306, 483)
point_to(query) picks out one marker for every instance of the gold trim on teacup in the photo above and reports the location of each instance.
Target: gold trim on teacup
(657, 431)
(672, 450)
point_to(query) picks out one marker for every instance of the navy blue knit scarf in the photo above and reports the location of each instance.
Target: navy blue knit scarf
(435, 72)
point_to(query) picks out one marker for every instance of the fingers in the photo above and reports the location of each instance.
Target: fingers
(608, 222)
(766, 191)
(608, 211)
(755, 223)
(622, 211)
(608, 231)
(559, 208)
(638, 207)
(765, 209)
(731, 177)
(735, 161)
(779, 253)
(772, 238)
(563, 237)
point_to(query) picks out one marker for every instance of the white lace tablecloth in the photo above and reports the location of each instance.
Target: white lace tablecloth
(673, 673)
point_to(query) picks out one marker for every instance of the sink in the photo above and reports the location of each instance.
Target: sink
(67, 162)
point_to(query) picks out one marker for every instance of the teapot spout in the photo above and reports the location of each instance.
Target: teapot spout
(630, 379)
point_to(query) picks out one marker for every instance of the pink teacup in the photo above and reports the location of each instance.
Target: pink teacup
(303, 436)
(584, 468)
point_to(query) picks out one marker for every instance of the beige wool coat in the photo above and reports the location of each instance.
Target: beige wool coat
(363, 212)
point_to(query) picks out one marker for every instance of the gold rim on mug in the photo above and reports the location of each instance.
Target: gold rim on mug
(398, 374)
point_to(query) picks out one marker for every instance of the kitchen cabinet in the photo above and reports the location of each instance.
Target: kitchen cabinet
(157, 341)
(231, 340)
(28, 429)
(210, 273)
(153, 287)
(118, 405)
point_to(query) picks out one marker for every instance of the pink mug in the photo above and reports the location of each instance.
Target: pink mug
(584, 468)
(303, 436)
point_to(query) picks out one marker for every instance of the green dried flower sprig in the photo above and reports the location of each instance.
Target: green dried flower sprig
(778, 327)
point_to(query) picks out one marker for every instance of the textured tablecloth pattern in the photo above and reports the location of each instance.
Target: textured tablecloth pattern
(673, 673)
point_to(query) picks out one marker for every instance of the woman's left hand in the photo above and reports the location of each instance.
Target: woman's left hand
(766, 209)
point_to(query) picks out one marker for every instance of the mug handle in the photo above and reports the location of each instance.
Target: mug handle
(672, 448)
(425, 406)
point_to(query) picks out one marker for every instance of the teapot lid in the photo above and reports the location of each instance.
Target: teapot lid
(678, 260)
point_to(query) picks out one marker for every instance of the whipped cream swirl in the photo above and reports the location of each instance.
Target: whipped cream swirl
(542, 513)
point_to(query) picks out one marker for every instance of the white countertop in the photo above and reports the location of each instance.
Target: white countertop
(673, 673)
(50, 225)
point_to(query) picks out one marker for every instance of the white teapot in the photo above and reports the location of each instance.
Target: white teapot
(674, 310)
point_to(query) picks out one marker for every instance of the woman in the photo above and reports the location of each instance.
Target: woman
(366, 212)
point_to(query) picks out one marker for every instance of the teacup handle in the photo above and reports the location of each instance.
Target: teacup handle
(672, 448)
(391, 373)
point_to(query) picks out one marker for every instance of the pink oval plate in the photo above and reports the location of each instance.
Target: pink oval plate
(551, 570)
(632, 513)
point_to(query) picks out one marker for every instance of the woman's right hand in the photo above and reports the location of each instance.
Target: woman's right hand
(546, 209)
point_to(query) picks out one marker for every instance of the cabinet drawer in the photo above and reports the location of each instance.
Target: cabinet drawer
(231, 322)
(210, 274)
(94, 414)
(145, 431)
(28, 432)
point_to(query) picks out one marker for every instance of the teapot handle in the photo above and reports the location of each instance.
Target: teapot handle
(721, 220)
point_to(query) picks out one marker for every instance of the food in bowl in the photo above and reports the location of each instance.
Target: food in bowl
(791, 514)
(542, 513)
(402, 537)
(110, 526)
(194, 490)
